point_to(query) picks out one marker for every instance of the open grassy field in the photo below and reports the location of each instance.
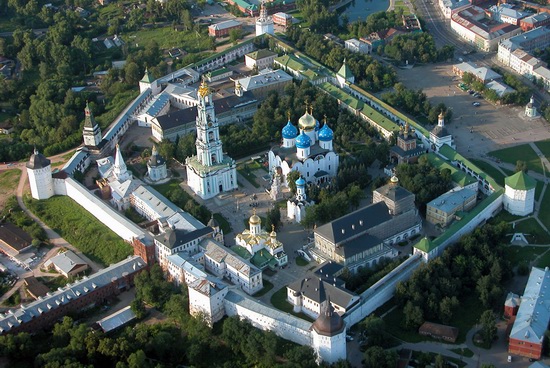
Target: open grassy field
(9, 180)
(523, 152)
(81, 229)
(538, 190)
(544, 147)
(517, 254)
(544, 260)
(537, 235)
(168, 37)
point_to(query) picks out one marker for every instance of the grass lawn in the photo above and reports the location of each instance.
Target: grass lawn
(504, 216)
(301, 261)
(516, 254)
(224, 224)
(544, 260)
(537, 235)
(267, 286)
(490, 170)
(168, 37)
(544, 212)
(81, 229)
(278, 300)
(9, 180)
(246, 172)
(523, 152)
(544, 147)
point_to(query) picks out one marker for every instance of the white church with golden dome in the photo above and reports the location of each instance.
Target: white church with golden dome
(307, 149)
(264, 248)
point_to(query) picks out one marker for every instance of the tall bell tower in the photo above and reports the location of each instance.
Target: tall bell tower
(208, 143)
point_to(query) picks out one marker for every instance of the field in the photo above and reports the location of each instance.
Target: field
(537, 235)
(523, 152)
(168, 37)
(8, 184)
(518, 254)
(81, 229)
(544, 147)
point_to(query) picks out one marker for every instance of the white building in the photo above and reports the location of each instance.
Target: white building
(448, 6)
(260, 59)
(223, 262)
(310, 153)
(264, 23)
(206, 299)
(439, 135)
(209, 172)
(523, 63)
(519, 195)
(531, 109)
(148, 81)
(354, 45)
(265, 249)
(183, 270)
(542, 74)
(344, 75)
(470, 24)
(156, 166)
(505, 13)
(91, 132)
(39, 170)
(296, 206)
(329, 335)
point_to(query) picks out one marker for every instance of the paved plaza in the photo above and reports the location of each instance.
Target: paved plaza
(492, 127)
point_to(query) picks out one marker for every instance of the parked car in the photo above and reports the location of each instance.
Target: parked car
(476, 104)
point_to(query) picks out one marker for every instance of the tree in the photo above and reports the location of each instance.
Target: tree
(488, 326)
(138, 307)
(235, 35)
(355, 195)
(440, 362)
(413, 316)
(374, 331)
(291, 178)
(377, 357)
(521, 166)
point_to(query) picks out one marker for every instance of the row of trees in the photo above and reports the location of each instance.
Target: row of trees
(519, 97)
(475, 265)
(416, 103)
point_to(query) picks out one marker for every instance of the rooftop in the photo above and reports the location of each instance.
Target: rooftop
(66, 261)
(450, 201)
(117, 319)
(458, 176)
(15, 237)
(225, 24)
(261, 54)
(520, 181)
(264, 78)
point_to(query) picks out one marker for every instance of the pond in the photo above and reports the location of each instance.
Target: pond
(360, 9)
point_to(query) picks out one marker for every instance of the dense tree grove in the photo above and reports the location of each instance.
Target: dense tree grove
(179, 340)
(369, 73)
(417, 47)
(424, 180)
(320, 19)
(475, 265)
(416, 103)
(375, 22)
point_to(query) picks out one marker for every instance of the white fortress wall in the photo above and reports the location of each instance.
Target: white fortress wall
(263, 317)
(123, 227)
(379, 293)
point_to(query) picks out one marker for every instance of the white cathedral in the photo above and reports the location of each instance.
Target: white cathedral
(209, 172)
(310, 153)
(296, 206)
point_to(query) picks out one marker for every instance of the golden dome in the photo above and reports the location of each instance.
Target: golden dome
(203, 89)
(394, 180)
(273, 234)
(255, 219)
(307, 122)
(441, 115)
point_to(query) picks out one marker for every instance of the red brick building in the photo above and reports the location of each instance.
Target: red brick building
(534, 21)
(222, 29)
(90, 291)
(527, 335)
(511, 305)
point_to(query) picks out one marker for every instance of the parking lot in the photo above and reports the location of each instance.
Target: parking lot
(476, 130)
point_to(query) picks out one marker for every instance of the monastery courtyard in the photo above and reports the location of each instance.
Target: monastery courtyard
(493, 127)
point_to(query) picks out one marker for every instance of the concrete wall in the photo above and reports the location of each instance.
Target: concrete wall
(103, 212)
(282, 324)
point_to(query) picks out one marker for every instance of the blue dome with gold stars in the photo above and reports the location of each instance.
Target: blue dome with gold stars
(326, 134)
(289, 131)
(303, 141)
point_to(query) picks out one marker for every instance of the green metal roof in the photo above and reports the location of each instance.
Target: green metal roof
(520, 181)
(345, 71)
(425, 245)
(291, 62)
(449, 153)
(260, 54)
(219, 72)
(147, 78)
(342, 96)
(458, 176)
